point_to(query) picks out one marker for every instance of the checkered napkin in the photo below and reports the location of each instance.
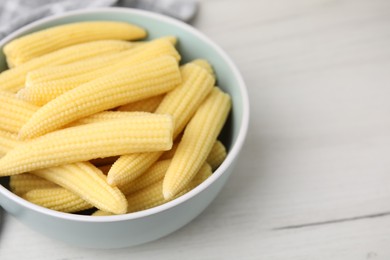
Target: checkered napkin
(17, 13)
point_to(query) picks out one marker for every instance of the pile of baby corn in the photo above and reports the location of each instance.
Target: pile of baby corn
(92, 117)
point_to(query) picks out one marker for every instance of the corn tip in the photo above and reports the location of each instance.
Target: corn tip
(167, 193)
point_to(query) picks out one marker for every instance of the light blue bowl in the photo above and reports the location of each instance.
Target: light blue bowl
(140, 227)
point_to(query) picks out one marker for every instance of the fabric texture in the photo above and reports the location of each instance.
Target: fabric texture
(17, 13)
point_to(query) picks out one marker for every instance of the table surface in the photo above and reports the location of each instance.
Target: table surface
(313, 181)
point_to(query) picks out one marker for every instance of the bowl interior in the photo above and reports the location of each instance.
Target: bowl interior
(191, 45)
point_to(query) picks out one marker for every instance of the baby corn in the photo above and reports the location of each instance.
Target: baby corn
(40, 91)
(181, 103)
(57, 198)
(167, 155)
(107, 115)
(48, 83)
(81, 143)
(89, 183)
(152, 195)
(170, 38)
(14, 79)
(101, 213)
(197, 141)
(84, 179)
(22, 183)
(214, 159)
(204, 64)
(217, 155)
(42, 42)
(7, 142)
(129, 84)
(129, 167)
(150, 49)
(72, 69)
(154, 174)
(146, 105)
(14, 113)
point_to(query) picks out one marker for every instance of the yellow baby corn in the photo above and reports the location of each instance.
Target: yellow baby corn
(204, 64)
(129, 84)
(147, 198)
(101, 213)
(48, 83)
(42, 42)
(204, 172)
(155, 47)
(81, 143)
(129, 167)
(22, 183)
(83, 179)
(78, 67)
(217, 155)
(170, 38)
(152, 175)
(89, 183)
(152, 49)
(70, 70)
(107, 115)
(14, 113)
(42, 91)
(152, 195)
(57, 198)
(197, 141)
(181, 103)
(147, 105)
(167, 155)
(14, 79)
(7, 142)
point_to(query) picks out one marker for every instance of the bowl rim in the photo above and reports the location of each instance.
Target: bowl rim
(233, 152)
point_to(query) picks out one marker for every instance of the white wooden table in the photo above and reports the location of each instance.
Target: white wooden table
(313, 181)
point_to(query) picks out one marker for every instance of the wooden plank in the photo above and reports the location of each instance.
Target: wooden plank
(313, 180)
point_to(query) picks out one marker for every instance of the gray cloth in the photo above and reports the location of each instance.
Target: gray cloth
(17, 13)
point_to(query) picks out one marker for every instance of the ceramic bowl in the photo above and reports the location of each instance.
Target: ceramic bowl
(141, 227)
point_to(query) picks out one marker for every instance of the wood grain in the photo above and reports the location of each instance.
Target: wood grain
(313, 181)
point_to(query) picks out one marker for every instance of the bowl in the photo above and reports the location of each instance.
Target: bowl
(144, 226)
